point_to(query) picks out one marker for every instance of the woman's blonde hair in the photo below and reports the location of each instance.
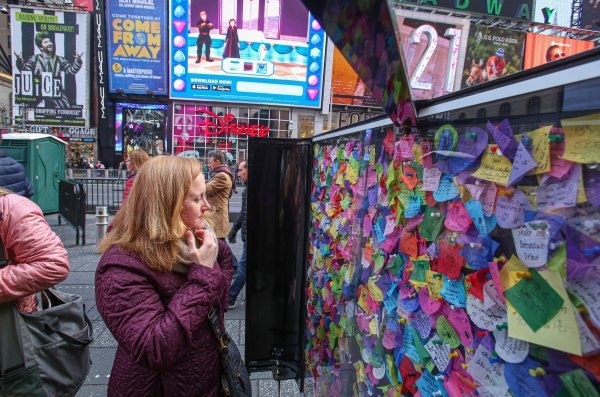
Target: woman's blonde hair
(149, 224)
(138, 158)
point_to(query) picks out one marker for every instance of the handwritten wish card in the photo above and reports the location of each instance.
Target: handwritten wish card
(433, 220)
(586, 289)
(531, 242)
(534, 299)
(447, 332)
(522, 164)
(494, 167)
(484, 318)
(510, 349)
(486, 372)
(510, 211)
(578, 384)
(439, 351)
(582, 141)
(559, 193)
(431, 179)
(561, 331)
(447, 189)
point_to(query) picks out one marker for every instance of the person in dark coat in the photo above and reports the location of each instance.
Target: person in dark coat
(204, 27)
(232, 42)
(161, 273)
(13, 177)
(240, 278)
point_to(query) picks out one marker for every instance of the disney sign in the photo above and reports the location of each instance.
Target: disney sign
(227, 125)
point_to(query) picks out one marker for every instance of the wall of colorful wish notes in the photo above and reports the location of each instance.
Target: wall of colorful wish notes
(459, 264)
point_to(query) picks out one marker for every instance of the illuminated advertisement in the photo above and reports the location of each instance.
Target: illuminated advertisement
(137, 45)
(50, 66)
(432, 51)
(492, 53)
(140, 126)
(246, 51)
(553, 12)
(540, 49)
(346, 87)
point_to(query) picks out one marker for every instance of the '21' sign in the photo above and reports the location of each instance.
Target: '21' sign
(432, 36)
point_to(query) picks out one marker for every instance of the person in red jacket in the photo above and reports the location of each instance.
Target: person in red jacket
(134, 161)
(161, 273)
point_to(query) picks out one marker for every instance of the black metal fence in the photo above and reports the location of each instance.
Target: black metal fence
(71, 206)
(105, 187)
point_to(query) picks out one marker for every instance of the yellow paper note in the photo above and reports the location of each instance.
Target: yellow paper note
(560, 333)
(374, 290)
(541, 149)
(435, 282)
(582, 139)
(494, 167)
(352, 173)
(507, 273)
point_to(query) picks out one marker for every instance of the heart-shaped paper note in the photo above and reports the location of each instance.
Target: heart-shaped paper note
(473, 141)
(447, 189)
(510, 211)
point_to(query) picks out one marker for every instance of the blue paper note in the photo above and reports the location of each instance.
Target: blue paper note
(520, 381)
(429, 386)
(454, 292)
(447, 189)
(414, 206)
(475, 211)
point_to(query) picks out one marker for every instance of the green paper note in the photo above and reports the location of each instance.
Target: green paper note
(419, 272)
(431, 225)
(578, 385)
(447, 332)
(535, 300)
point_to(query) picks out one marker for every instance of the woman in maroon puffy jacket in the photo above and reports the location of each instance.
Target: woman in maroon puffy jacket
(135, 159)
(161, 273)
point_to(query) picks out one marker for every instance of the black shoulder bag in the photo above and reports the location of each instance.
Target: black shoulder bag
(44, 353)
(235, 381)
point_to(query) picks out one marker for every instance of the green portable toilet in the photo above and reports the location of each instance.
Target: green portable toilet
(43, 157)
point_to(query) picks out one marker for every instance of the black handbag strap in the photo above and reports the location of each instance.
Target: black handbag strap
(53, 326)
(222, 337)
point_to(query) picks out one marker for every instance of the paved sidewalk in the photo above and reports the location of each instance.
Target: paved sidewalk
(83, 260)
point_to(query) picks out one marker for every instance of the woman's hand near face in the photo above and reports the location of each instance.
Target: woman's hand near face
(207, 253)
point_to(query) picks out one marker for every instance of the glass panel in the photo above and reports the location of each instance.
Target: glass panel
(250, 15)
(272, 10)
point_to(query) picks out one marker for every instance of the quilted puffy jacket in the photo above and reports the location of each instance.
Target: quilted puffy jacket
(13, 177)
(36, 257)
(166, 345)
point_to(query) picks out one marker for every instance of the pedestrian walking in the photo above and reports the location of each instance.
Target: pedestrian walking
(161, 273)
(136, 158)
(240, 279)
(219, 189)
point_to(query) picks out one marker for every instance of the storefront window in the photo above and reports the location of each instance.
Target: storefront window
(198, 129)
(141, 126)
(306, 127)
